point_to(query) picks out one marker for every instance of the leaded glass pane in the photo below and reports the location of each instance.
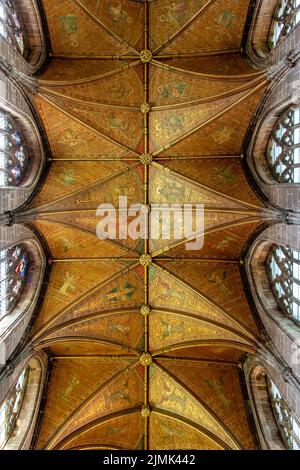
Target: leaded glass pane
(13, 154)
(286, 17)
(10, 26)
(10, 409)
(287, 424)
(14, 264)
(284, 147)
(283, 267)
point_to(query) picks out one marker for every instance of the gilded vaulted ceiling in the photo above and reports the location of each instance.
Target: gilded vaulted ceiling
(127, 79)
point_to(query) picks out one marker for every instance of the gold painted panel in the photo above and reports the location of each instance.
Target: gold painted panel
(172, 188)
(216, 64)
(121, 328)
(220, 27)
(123, 126)
(69, 243)
(73, 31)
(122, 432)
(87, 348)
(65, 178)
(224, 136)
(69, 138)
(224, 175)
(167, 433)
(168, 294)
(219, 387)
(221, 283)
(166, 126)
(124, 392)
(69, 282)
(68, 71)
(175, 86)
(167, 395)
(172, 331)
(72, 381)
(222, 244)
(123, 89)
(123, 17)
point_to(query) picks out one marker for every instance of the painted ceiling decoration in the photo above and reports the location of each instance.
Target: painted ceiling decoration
(151, 100)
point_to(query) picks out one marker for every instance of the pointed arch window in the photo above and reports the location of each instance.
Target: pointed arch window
(13, 152)
(286, 17)
(288, 426)
(283, 266)
(284, 147)
(14, 264)
(10, 25)
(11, 407)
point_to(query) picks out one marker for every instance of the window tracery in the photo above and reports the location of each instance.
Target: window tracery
(284, 147)
(11, 407)
(13, 153)
(283, 266)
(286, 17)
(14, 263)
(287, 424)
(10, 26)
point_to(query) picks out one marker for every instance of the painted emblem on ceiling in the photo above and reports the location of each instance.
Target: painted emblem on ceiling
(68, 25)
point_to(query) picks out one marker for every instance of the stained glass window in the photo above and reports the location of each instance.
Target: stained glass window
(10, 27)
(286, 17)
(10, 409)
(13, 154)
(284, 147)
(14, 263)
(289, 427)
(283, 266)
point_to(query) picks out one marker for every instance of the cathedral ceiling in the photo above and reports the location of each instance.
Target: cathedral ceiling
(121, 377)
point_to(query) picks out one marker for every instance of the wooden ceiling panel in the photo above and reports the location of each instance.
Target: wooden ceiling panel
(88, 224)
(120, 294)
(78, 347)
(124, 18)
(170, 331)
(209, 353)
(173, 188)
(221, 283)
(171, 85)
(215, 220)
(219, 245)
(121, 88)
(69, 282)
(129, 82)
(170, 295)
(169, 433)
(70, 138)
(223, 136)
(65, 179)
(170, 125)
(214, 386)
(61, 71)
(72, 381)
(167, 18)
(104, 184)
(123, 127)
(172, 396)
(116, 395)
(112, 432)
(123, 329)
(219, 28)
(222, 175)
(67, 243)
(74, 32)
(228, 64)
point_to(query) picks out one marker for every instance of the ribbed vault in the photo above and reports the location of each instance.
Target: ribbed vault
(163, 79)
